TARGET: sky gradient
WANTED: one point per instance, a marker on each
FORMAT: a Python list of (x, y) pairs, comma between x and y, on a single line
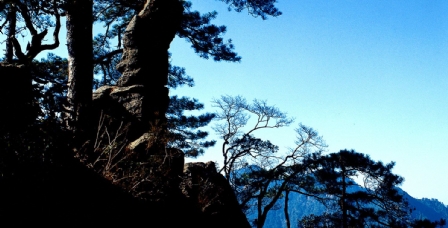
[(367, 75)]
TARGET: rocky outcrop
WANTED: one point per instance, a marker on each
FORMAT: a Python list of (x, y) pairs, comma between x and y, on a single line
[(209, 191), (145, 54), (194, 190), (132, 113)]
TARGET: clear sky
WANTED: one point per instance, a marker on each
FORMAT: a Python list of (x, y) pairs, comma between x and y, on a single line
[(367, 75)]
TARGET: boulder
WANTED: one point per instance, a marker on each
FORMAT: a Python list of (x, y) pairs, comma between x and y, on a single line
[(209, 191)]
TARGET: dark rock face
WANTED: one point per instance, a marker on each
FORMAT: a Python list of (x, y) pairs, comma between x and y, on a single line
[(71, 195), (68, 195), (208, 190), (122, 104)]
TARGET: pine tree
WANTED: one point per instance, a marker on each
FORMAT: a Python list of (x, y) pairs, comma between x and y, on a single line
[(376, 203)]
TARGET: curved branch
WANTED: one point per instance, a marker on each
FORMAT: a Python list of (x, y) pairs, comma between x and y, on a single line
[(108, 56), (56, 31), (3, 25), (36, 46)]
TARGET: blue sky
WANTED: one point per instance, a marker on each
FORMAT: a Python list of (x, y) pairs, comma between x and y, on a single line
[(367, 75)]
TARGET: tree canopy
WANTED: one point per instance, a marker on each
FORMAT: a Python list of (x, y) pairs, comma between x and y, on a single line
[(376, 202)]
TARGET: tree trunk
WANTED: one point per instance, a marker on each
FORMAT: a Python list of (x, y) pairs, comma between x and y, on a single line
[(145, 57), (261, 220), (260, 223), (288, 223), (80, 68), (12, 18), (342, 203)]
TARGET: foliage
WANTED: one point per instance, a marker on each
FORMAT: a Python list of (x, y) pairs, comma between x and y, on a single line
[(238, 145), (255, 8), (50, 80), (257, 172), (206, 38), (376, 203), (42, 140), (33, 15), (426, 223), (313, 221), (182, 127)]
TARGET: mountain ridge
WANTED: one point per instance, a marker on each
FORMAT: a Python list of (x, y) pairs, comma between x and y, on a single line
[(301, 205)]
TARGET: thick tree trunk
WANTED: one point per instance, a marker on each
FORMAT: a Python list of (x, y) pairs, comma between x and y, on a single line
[(80, 68), (12, 18), (145, 56)]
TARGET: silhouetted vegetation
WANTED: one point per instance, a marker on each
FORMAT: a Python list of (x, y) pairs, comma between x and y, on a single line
[(51, 114), (67, 161)]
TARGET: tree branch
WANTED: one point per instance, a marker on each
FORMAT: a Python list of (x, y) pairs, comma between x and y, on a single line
[(108, 56), (18, 50), (56, 30), (24, 12)]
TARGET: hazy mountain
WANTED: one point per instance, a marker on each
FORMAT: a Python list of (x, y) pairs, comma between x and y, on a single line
[(300, 205)]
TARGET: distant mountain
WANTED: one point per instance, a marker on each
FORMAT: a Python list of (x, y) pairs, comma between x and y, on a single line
[(431, 209), (300, 205)]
